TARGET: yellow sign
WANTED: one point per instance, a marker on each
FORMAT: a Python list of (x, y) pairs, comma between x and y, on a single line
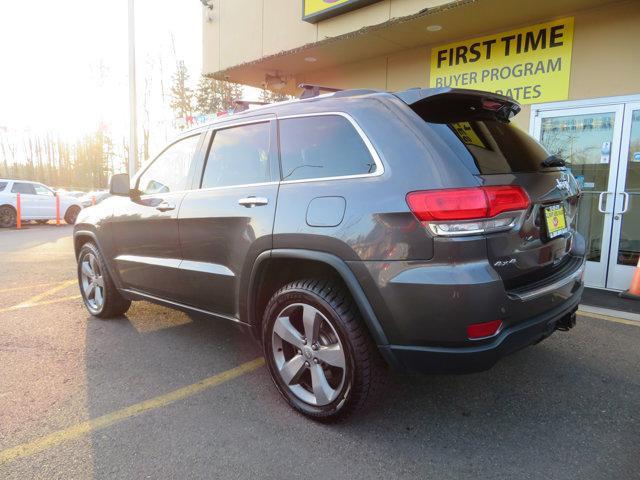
[(530, 64), (467, 134), (316, 10)]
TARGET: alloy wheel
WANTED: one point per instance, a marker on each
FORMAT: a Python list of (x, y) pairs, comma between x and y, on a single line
[(7, 217), (92, 282), (308, 354)]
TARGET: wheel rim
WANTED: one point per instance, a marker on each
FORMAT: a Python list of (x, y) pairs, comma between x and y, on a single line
[(92, 282), (6, 217), (308, 354)]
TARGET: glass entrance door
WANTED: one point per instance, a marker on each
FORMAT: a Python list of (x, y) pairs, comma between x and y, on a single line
[(625, 243), (588, 139), (601, 146)]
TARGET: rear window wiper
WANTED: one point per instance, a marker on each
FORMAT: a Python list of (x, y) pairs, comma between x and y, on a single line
[(552, 161)]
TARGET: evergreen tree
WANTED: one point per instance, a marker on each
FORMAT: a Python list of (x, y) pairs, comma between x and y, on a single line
[(269, 96), (181, 93)]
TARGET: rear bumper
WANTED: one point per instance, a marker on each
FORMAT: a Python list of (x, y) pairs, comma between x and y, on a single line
[(450, 360)]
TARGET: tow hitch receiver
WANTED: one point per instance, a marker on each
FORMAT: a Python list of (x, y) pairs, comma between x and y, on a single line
[(567, 322)]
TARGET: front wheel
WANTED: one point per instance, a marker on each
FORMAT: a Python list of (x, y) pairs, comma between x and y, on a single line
[(100, 295), (71, 215), (319, 354)]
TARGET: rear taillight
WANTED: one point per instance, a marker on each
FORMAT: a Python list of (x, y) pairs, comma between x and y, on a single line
[(467, 211)]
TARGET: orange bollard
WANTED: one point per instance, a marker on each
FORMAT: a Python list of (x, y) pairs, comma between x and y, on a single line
[(57, 209), (634, 288), (18, 212), (93, 200)]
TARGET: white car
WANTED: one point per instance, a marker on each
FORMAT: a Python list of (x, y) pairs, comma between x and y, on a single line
[(37, 202)]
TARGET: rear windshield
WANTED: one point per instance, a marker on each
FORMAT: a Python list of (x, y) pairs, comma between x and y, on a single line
[(478, 131), (492, 146)]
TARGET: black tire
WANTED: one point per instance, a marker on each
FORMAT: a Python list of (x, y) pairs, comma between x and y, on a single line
[(71, 215), (7, 216), (113, 303), (334, 303)]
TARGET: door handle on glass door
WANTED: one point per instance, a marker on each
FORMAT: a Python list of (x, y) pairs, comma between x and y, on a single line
[(625, 207), (165, 207), (252, 201), (600, 197)]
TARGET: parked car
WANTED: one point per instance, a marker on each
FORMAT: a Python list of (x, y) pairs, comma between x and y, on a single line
[(420, 228), (37, 202), (93, 198)]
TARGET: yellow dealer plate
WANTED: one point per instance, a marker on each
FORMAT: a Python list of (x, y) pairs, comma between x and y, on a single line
[(556, 221)]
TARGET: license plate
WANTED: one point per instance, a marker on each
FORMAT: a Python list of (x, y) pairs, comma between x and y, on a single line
[(556, 221)]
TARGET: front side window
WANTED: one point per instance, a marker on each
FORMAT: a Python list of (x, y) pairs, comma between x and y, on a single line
[(25, 188), (42, 190), (169, 172), (322, 146), (3, 185), (238, 156)]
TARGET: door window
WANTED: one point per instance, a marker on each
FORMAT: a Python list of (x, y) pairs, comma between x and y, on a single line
[(238, 156), (24, 188), (42, 190), (322, 146), (169, 172), (3, 185)]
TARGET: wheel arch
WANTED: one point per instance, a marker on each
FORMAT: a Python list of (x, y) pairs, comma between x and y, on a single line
[(304, 259), (84, 235)]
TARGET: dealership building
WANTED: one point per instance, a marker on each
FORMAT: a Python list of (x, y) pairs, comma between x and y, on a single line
[(574, 65)]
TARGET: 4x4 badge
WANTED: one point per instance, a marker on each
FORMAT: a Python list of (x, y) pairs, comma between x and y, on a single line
[(504, 263)]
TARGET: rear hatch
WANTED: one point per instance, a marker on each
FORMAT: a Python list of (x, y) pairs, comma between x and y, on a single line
[(475, 126)]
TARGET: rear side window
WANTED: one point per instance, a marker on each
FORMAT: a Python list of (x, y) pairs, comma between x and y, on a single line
[(238, 156), (169, 172), (3, 185), (322, 146), (26, 188)]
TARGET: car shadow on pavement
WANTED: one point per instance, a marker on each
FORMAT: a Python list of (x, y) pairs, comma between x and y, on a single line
[(555, 410)]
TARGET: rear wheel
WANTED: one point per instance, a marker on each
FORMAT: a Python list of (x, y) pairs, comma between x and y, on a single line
[(7, 216), (71, 215), (99, 293), (318, 352)]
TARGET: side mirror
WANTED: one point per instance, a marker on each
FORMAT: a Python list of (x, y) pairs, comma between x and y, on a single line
[(119, 185)]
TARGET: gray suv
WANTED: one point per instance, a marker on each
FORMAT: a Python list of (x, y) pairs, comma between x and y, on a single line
[(348, 230)]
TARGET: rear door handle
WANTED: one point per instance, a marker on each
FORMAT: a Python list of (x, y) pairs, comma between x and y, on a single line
[(253, 201), (165, 207)]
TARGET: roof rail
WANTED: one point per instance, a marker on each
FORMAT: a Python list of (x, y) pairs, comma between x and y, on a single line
[(242, 105), (309, 90)]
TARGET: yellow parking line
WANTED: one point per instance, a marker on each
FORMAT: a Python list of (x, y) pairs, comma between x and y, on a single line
[(71, 433), (35, 300), (608, 318)]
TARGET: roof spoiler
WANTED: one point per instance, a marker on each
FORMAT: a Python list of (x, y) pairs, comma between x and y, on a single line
[(445, 105)]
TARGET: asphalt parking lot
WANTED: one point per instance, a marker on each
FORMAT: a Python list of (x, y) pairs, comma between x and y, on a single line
[(160, 394)]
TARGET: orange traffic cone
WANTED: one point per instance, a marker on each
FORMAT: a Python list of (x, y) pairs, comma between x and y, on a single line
[(634, 288)]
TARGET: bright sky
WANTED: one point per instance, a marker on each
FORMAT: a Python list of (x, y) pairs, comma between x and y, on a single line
[(64, 64)]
